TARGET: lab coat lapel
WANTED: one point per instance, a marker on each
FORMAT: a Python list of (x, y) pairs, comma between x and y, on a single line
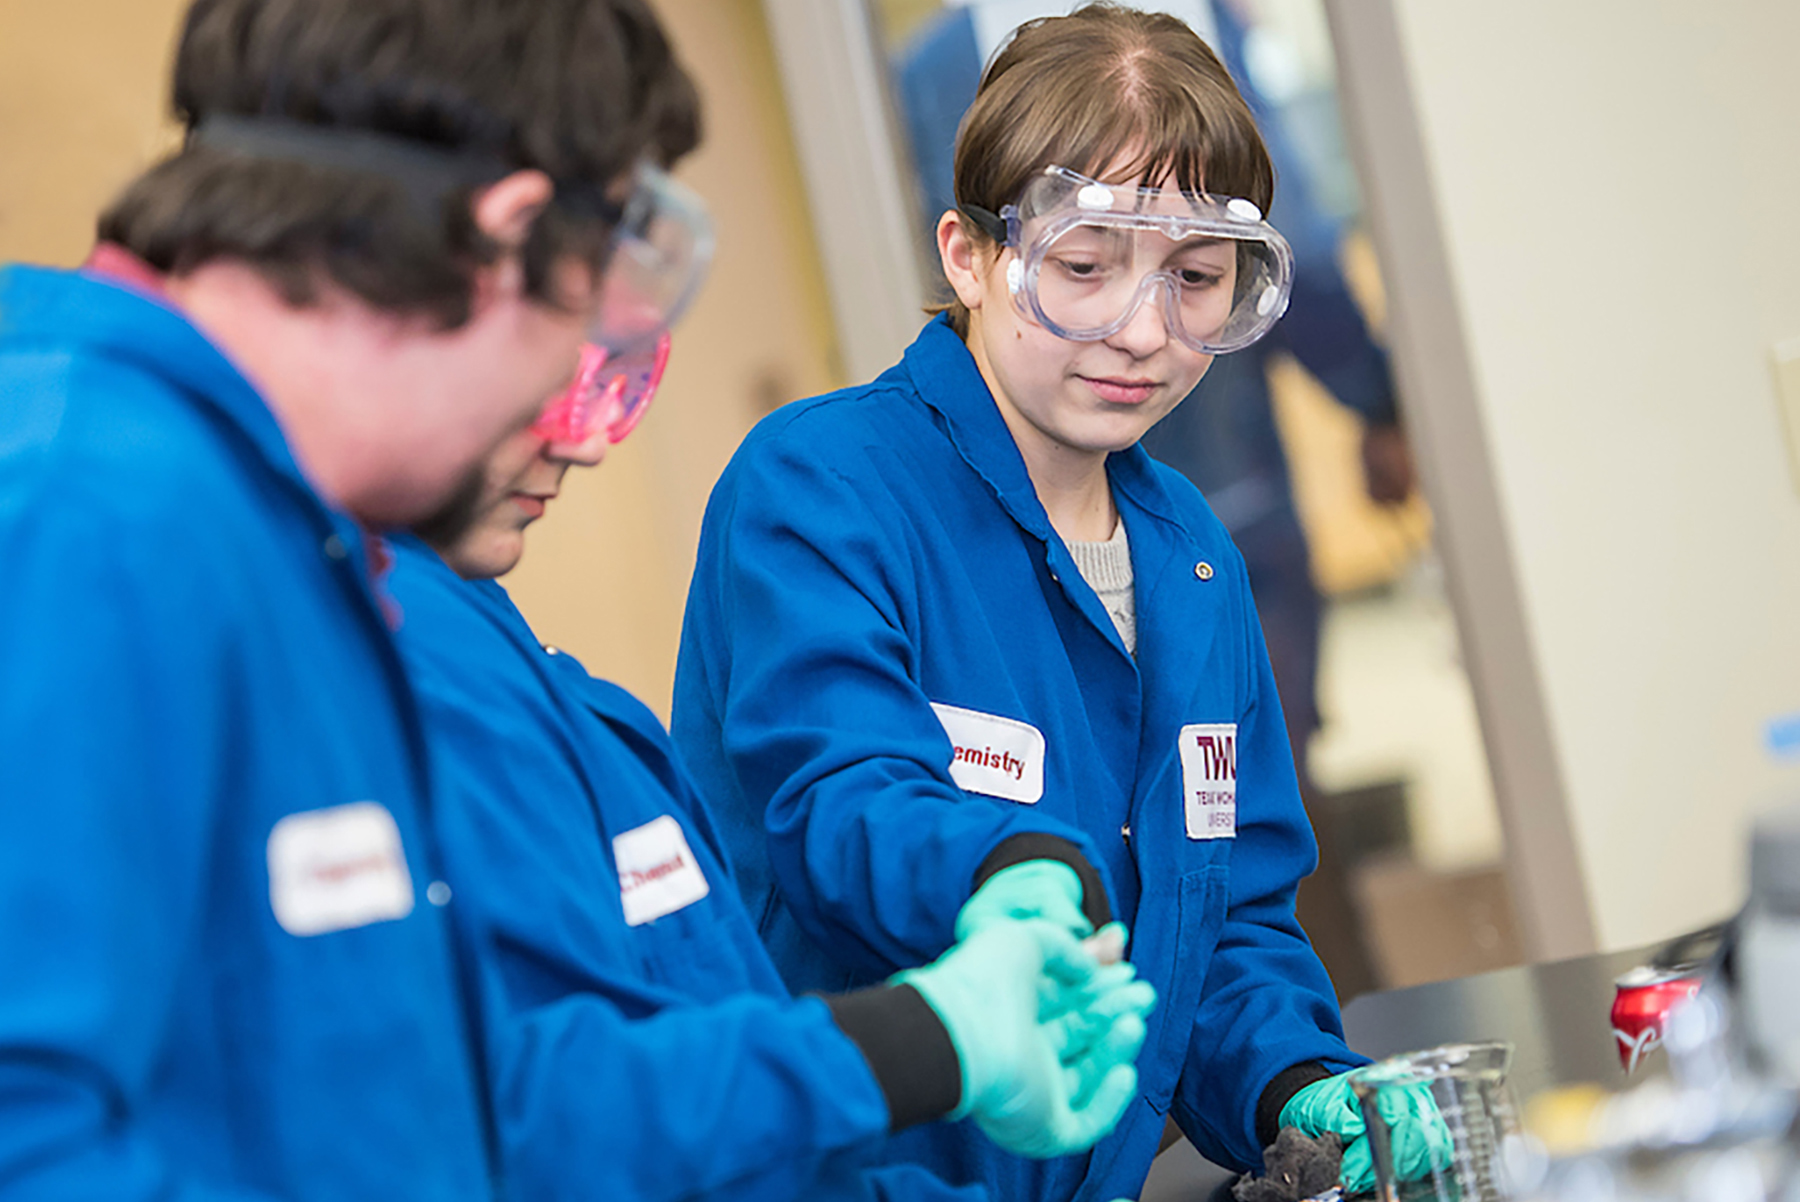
[(944, 374), (1179, 617)]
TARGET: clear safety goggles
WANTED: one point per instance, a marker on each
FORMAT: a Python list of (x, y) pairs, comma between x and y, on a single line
[(610, 393), (661, 246), (1088, 256)]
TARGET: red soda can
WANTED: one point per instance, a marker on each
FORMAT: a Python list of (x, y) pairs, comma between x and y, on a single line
[(1643, 1000)]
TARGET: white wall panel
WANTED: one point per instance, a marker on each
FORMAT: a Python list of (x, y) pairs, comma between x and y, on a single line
[(1608, 191)]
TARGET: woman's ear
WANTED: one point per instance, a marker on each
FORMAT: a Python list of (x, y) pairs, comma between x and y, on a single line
[(965, 262)]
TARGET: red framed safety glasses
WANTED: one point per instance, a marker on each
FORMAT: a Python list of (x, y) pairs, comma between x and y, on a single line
[(611, 393)]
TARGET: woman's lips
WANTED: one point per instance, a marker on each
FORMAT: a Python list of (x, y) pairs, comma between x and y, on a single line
[(1120, 391), (532, 507)]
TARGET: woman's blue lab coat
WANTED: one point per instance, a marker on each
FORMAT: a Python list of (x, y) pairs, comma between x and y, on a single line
[(663, 1060), (878, 550), (219, 974)]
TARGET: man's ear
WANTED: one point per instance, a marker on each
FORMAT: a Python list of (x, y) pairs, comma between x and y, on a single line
[(965, 262), (505, 210)]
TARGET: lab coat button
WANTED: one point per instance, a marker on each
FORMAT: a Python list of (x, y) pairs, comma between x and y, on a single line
[(334, 547), (1203, 570), (437, 893), (1125, 832), (549, 650)]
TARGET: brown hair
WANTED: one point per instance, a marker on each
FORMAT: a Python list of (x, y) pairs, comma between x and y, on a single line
[(1081, 90), (579, 89)]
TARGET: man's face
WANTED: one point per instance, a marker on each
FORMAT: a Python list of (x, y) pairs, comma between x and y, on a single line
[(469, 391)]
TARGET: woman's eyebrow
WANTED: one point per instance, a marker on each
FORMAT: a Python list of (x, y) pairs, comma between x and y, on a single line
[(1199, 242)]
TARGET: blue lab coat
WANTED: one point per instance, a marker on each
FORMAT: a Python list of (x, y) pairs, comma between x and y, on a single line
[(221, 974), (876, 550), (663, 1060)]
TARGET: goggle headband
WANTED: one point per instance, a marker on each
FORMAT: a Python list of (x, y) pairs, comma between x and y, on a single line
[(428, 171)]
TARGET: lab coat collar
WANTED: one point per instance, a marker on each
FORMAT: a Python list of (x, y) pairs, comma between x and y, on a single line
[(486, 595), (944, 373), (126, 320), (120, 320), (567, 680)]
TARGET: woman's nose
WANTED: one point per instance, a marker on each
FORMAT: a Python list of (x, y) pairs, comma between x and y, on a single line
[(1146, 331), (585, 452)]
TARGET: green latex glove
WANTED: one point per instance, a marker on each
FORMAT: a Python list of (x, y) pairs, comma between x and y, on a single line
[(1086, 1027), (1421, 1141), (1047, 1038), (1047, 889)]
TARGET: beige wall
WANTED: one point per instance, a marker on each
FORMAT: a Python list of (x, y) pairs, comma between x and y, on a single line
[(1608, 188), (608, 569), (82, 108), (83, 100)]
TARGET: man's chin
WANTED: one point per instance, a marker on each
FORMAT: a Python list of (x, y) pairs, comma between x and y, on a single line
[(457, 516)]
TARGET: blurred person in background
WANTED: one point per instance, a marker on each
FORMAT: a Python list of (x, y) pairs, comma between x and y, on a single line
[(229, 970), (640, 1043), (1224, 438), (958, 653)]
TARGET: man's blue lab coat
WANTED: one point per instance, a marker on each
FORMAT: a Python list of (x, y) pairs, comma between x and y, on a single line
[(881, 549), (219, 974), (658, 1061)]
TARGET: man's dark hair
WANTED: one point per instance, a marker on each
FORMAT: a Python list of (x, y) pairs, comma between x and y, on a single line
[(579, 89)]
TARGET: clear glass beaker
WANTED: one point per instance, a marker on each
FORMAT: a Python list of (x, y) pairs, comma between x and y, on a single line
[(1467, 1082)]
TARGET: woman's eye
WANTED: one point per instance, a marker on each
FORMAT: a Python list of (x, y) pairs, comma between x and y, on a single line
[(1193, 277), (1081, 269)]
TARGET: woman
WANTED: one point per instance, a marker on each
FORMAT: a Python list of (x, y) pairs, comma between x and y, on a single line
[(957, 651)]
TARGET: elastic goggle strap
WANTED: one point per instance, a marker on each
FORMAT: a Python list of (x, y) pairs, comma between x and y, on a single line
[(429, 172)]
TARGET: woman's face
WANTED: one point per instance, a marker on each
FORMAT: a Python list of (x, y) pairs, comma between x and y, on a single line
[(1057, 395), (519, 480)]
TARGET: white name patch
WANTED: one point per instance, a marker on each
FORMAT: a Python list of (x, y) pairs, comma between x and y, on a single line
[(1209, 779), (334, 869), (995, 756), (658, 874)]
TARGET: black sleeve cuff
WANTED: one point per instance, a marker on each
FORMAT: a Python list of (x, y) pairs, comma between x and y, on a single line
[(1035, 845), (1287, 1083), (908, 1050)]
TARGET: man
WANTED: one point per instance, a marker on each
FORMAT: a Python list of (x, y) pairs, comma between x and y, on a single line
[(228, 968), (640, 1043)]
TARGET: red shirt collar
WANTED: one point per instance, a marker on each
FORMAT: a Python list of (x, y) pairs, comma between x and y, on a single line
[(113, 262)]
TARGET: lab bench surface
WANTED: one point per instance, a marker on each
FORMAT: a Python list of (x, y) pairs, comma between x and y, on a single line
[(1557, 1016)]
